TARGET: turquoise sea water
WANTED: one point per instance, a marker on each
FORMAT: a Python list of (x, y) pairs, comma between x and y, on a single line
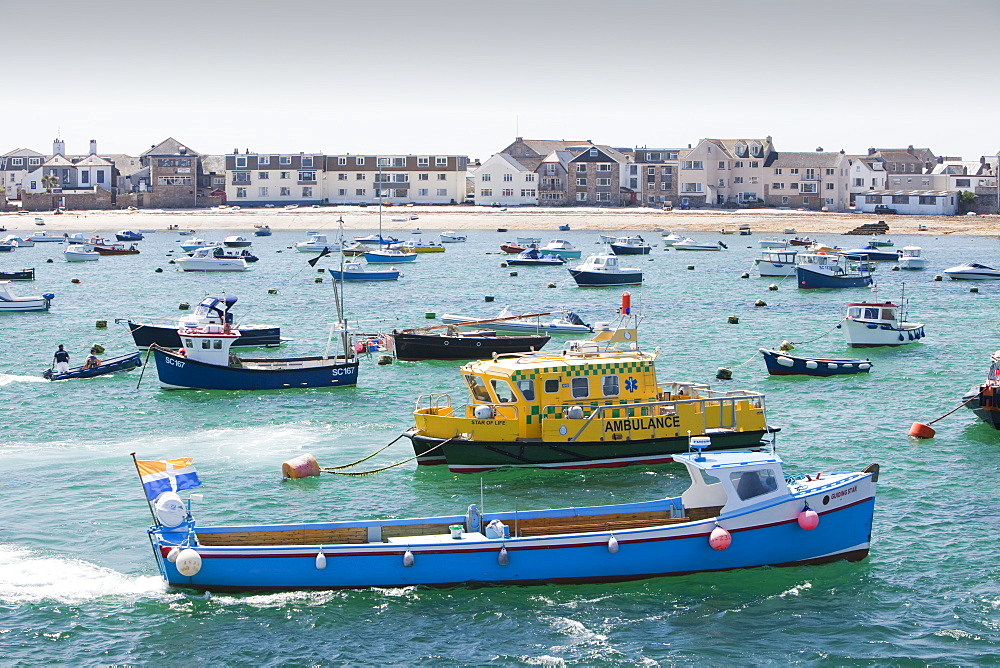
[(78, 584)]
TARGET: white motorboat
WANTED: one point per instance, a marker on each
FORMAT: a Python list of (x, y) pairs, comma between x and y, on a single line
[(789, 230), (670, 236), (377, 239), (535, 241), (776, 263), (81, 253), (561, 247), (204, 259), (508, 321), (11, 302), (772, 243), (42, 237), (910, 258), (316, 244), (972, 271), (236, 242), (871, 324), (451, 237), (195, 244), (607, 238), (687, 243), (20, 241)]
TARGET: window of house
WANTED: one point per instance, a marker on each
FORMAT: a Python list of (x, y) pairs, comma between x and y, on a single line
[(581, 197), (529, 178), (593, 153), (441, 162), (693, 164), (793, 170), (805, 200), (581, 168), (241, 161), (784, 200), (285, 191), (442, 177), (927, 199), (829, 171), (581, 182), (442, 192), (359, 160), (829, 201), (603, 197), (307, 161), (807, 188), (100, 176), (665, 185), (422, 192), (508, 177), (284, 175), (342, 176), (342, 192), (609, 385), (284, 160), (486, 192), (485, 178), (737, 180), (262, 191), (579, 387), (794, 186), (777, 186), (653, 157), (84, 177), (262, 175), (423, 162), (603, 167), (722, 164), (423, 177), (692, 188), (738, 164), (960, 183), (507, 192), (777, 171), (360, 176), (603, 182), (859, 183), (900, 199), (527, 192), (34, 184), (307, 176), (359, 192), (307, 191), (830, 186), (342, 160), (241, 192)]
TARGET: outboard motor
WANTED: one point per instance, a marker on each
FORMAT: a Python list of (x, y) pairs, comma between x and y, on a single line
[(572, 317)]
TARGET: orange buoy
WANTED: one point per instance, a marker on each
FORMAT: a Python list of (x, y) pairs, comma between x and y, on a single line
[(302, 466), (921, 430), (626, 303)]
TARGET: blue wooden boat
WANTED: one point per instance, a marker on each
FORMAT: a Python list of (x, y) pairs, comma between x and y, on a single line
[(106, 366), (740, 511), (564, 228), (128, 235), (780, 363)]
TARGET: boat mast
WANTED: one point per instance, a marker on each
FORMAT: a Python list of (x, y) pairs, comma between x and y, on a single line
[(338, 296)]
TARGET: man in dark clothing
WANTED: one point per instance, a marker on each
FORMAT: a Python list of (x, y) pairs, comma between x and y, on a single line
[(60, 361)]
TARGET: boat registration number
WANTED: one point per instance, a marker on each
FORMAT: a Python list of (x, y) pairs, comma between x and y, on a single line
[(177, 363)]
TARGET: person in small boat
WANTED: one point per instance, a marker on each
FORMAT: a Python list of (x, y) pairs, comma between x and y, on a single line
[(60, 361), (92, 359)]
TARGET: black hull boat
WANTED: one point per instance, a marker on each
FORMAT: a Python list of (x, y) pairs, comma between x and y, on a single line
[(984, 399), (411, 347), (780, 363), (23, 275), (251, 336)]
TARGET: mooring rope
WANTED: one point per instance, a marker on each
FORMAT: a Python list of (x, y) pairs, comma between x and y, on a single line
[(799, 343), (961, 405), (328, 469), (384, 468)]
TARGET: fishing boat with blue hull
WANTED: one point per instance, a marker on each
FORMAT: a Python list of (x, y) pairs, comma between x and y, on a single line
[(821, 270), (205, 363), (125, 362), (740, 510), (874, 324), (780, 363), (355, 271), (595, 403), (211, 310)]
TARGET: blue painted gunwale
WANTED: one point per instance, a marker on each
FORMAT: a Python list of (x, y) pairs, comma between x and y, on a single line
[(765, 534)]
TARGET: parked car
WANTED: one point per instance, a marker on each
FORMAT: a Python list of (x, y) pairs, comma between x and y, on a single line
[(884, 208)]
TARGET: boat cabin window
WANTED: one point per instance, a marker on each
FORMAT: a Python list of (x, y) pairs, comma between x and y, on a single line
[(189, 343), (551, 385), (503, 390), (217, 344), (871, 313), (527, 389), (580, 387), (853, 312), (887, 314), (609, 385), (206, 344), (478, 388), (753, 483)]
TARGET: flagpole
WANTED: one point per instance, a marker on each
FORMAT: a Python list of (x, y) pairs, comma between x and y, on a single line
[(148, 503)]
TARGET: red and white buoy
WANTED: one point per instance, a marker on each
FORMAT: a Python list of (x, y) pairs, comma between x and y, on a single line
[(720, 539), (808, 519)]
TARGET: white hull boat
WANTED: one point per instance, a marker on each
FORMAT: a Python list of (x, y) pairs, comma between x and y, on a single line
[(691, 245), (451, 237), (873, 324), (971, 271), (81, 253), (204, 260), (20, 241), (316, 244), (776, 263), (772, 243), (910, 258), (11, 302), (41, 237)]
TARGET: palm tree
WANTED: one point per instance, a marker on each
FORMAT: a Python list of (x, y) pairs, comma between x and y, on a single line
[(50, 181)]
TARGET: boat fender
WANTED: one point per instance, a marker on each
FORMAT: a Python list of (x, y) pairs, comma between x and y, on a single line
[(901, 337), (811, 364), (320, 560), (832, 367), (864, 367), (785, 361), (719, 539), (921, 430), (169, 509), (808, 519), (484, 412), (172, 554), (188, 562), (574, 412), (626, 303), (408, 559), (473, 519), (503, 558), (613, 545), (839, 326)]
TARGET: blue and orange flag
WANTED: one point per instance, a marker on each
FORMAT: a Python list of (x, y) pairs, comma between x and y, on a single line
[(172, 475)]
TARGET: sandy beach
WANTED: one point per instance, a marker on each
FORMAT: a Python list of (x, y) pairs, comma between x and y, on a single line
[(398, 220)]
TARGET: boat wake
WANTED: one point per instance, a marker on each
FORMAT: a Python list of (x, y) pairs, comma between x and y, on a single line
[(27, 577), (7, 379)]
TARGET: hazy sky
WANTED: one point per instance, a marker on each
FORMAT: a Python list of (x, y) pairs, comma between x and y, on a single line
[(443, 76)]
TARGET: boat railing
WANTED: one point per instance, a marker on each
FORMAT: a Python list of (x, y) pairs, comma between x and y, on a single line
[(433, 403), (725, 400)]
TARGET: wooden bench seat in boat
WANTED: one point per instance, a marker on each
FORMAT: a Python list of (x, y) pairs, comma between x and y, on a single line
[(335, 536)]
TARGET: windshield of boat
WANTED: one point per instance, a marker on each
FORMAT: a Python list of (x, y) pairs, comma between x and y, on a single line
[(749, 484), (527, 389), (478, 388), (503, 390)]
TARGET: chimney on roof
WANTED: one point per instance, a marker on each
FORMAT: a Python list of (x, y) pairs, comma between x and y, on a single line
[(58, 147), (871, 151), (93, 147), (841, 151), (819, 149), (689, 145), (909, 149), (768, 139)]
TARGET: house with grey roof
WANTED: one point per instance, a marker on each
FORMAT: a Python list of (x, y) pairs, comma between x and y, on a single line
[(503, 180), (596, 176), (867, 173), (816, 180)]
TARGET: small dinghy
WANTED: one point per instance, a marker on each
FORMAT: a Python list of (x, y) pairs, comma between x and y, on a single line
[(780, 363), (110, 365)]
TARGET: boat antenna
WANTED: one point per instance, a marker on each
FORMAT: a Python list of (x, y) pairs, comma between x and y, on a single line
[(482, 504)]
